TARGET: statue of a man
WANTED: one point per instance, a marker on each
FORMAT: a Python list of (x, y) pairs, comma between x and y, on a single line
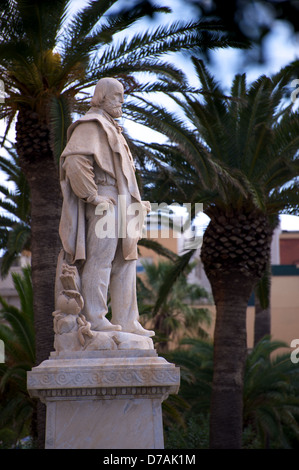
[(99, 188)]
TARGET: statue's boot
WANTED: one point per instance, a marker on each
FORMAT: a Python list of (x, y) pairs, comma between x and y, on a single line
[(102, 324), (137, 329)]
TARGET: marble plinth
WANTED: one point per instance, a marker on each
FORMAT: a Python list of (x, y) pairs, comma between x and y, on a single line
[(104, 399)]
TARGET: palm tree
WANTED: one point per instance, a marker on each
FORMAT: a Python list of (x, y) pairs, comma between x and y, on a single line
[(196, 365), (49, 61), (271, 404), (15, 218), (244, 150), (17, 333), (178, 316)]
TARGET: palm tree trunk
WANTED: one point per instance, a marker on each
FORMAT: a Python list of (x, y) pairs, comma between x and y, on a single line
[(41, 171), (235, 253), (45, 245), (231, 295), (38, 165), (43, 179)]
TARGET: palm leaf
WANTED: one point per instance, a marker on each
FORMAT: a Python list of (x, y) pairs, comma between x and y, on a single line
[(60, 121), (171, 277), (158, 248), (21, 321)]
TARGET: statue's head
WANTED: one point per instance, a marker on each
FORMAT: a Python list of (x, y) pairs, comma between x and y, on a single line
[(109, 96)]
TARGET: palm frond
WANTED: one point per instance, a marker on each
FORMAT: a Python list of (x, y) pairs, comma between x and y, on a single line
[(23, 286), (285, 200), (158, 248), (21, 321), (18, 238), (60, 121), (171, 277)]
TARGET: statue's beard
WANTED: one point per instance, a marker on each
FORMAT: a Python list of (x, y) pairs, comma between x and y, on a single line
[(117, 112), (114, 111)]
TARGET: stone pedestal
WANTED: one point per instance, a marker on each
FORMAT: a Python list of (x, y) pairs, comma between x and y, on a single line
[(104, 399)]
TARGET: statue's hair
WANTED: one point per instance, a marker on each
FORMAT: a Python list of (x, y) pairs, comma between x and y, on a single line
[(101, 89)]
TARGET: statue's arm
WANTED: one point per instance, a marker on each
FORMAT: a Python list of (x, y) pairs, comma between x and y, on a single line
[(79, 171)]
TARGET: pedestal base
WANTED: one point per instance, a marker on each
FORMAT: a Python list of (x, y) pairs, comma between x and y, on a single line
[(104, 399)]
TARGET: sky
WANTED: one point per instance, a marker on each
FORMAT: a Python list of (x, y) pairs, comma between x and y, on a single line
[(281, 49)]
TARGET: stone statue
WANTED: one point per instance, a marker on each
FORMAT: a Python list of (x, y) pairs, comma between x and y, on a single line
[(99, 230)]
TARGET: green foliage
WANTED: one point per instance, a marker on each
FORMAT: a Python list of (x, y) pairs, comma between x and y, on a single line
[(271, 403), (196, 366), (51, 56), (17, 333), (194, 435), (240, 150), (15, 218), (234, 152), (178, 314)]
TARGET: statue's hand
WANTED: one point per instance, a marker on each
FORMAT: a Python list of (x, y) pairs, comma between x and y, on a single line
[(147, 206), (103, 203)]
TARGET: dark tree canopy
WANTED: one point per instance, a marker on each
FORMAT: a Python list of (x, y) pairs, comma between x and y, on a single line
[(246, 21)]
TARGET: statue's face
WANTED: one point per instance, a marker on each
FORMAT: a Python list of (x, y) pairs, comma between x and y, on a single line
[(113, 100)]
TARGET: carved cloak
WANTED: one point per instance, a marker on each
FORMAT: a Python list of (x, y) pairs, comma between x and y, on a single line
[(113, 156)]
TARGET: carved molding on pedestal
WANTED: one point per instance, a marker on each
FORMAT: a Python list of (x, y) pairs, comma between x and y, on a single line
[(103, 378), (109, 393)]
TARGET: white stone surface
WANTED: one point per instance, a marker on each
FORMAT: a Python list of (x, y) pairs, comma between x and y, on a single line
[(108, 400), (134, 423), (99, 341), (114, 371)]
